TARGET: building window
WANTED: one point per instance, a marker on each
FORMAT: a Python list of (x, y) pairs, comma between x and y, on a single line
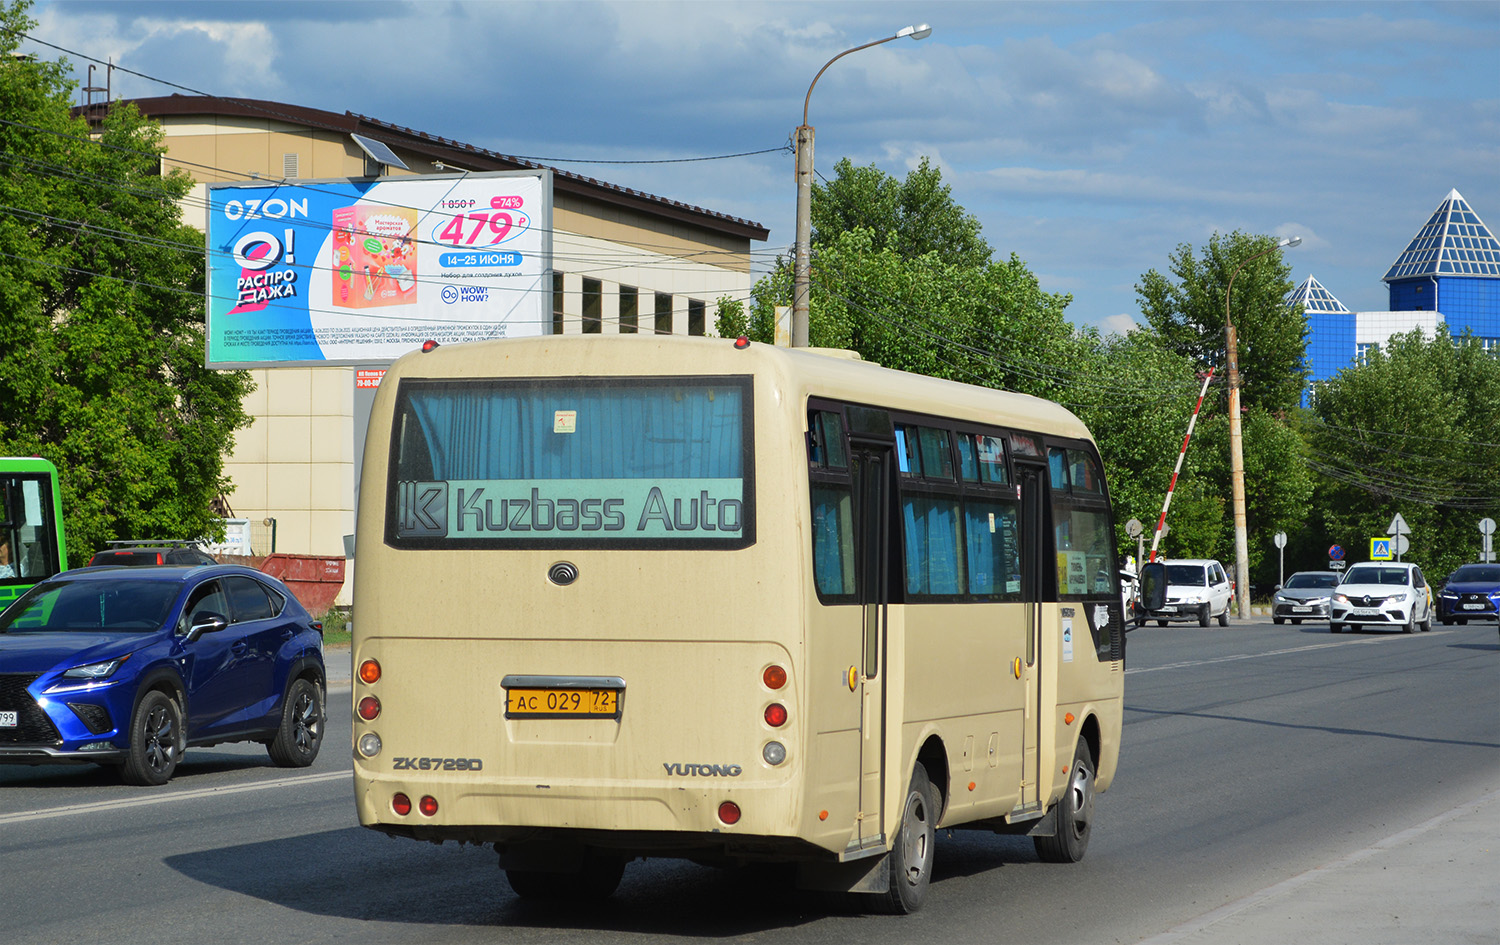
[(1362, 352), (630, 300), (557, 303), (593, 306), (695, 317), (663, 313)]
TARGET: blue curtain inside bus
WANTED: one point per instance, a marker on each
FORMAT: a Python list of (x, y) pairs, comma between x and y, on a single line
[(565, 431)]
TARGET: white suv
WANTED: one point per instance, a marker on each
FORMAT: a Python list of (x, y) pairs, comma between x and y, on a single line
[(1197, 589)]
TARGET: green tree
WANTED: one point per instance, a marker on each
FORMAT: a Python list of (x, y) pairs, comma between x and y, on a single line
[(1188, 313), (101, 315), (913, 217), (1414, 429)]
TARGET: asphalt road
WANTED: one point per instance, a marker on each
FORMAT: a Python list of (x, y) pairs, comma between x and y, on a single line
[(1261, 765)]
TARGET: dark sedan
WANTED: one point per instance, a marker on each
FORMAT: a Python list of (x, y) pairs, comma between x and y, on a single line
[(131, 666), (1471, 593)]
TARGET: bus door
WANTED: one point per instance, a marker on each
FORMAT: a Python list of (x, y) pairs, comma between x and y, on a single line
[(872, 467), (1034, 564)]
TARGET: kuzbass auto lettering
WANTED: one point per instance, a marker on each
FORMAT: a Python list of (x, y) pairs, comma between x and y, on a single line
[(703, 771), (554, 508)]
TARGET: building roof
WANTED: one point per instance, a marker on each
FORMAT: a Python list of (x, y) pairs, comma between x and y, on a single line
[(1315, 299), (454, 154), (1454, 242)]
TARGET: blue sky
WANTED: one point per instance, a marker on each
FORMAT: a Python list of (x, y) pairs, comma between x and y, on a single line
[(1090, 139)]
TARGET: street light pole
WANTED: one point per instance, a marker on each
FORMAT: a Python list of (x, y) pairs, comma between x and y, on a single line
[(802, 263), (1236, 441)]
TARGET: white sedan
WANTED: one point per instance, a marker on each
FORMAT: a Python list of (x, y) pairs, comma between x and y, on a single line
[(1377, 593)]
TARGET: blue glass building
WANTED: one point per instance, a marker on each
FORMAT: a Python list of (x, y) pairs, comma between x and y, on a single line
[(1448, 274)]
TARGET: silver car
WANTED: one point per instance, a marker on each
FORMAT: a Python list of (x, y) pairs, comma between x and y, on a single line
[(1304, 596)]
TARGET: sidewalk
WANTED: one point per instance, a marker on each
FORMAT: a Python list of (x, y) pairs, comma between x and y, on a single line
[(1433, 884)]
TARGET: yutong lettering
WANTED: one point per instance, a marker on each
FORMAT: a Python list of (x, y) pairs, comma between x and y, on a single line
[(703, 771)]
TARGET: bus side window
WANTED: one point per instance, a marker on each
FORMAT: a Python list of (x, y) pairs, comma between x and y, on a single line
[(932, 552), (832, 506)]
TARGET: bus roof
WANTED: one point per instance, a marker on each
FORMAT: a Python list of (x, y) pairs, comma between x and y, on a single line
[(821, 372)]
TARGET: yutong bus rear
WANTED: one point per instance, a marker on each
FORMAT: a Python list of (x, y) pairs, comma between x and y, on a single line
[(578, 605)]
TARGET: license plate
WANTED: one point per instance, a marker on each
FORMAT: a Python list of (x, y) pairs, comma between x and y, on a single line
[(1169, 608), (562, 697), (8, 718), (1466, 607), (1364, 612), (1301, 610)]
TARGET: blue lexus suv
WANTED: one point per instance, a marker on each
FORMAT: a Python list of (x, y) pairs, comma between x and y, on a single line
[(132, 666)]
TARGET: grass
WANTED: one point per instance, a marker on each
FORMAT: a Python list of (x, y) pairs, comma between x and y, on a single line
[(336, 627)]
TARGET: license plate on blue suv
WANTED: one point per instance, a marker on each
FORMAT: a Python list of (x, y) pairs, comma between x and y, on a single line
[(8, 718)]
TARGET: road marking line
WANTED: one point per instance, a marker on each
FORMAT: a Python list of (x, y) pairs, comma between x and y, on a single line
[(1209, 919), (47, 813), (1251, 656)]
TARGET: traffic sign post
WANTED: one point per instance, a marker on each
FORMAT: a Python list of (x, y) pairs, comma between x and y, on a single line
[(1335, 557), (1487, 540), (1279, 539), (1397, 530)]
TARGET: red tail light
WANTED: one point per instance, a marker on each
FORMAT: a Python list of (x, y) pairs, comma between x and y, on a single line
[(369, 708), (401, 804), (775, 715), (729, 812), (428, 805)]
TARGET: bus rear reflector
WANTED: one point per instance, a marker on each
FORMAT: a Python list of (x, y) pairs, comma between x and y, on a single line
[(428, 805), (369, 672), (775, 715), (369, 708), (729, 812), (401, 804), (774, 677)]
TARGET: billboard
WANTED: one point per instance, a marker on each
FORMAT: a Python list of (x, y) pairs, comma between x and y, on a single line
[(361, 271)]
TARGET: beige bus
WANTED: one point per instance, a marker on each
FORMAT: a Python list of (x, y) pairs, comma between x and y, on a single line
[(702, 598)]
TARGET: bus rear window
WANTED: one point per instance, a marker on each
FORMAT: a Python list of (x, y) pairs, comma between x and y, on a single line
[(580, 462)]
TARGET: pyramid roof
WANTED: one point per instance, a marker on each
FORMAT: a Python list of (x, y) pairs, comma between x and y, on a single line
[(1454, 242), (1314, 298)]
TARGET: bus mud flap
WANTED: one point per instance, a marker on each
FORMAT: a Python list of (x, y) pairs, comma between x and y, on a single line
[(867, 875)]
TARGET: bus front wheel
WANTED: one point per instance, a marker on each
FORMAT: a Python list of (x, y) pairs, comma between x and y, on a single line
[(911, 856), (1075, 813)]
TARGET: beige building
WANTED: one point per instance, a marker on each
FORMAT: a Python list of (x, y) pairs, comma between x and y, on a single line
[(623, 260)]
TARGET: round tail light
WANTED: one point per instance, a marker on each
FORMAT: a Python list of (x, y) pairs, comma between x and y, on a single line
[(428, 805), (775, 715), (369, 708), (774, 677), (369, 672), (401, 804), (729, 812)]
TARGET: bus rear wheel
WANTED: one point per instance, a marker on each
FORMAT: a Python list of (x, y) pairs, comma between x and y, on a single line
[(1075, 813), (598, 878), (911, 857)]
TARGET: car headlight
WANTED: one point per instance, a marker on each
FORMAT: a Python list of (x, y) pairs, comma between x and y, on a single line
[(1341, 598), (1281, 599), (1450, 595), (95, 670)]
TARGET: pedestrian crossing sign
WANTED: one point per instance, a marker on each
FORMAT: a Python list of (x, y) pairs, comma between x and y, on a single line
[(1380, 549)]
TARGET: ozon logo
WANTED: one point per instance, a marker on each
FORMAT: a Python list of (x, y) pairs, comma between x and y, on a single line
[(260, 250)]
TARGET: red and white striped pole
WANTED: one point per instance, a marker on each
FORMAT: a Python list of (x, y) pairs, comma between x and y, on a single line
[(1156, 538)]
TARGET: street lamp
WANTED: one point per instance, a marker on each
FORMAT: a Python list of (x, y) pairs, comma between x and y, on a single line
[(1236, 443), (803, 249)]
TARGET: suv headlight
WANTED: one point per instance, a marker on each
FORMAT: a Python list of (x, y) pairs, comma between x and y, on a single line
[(95, 670)]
